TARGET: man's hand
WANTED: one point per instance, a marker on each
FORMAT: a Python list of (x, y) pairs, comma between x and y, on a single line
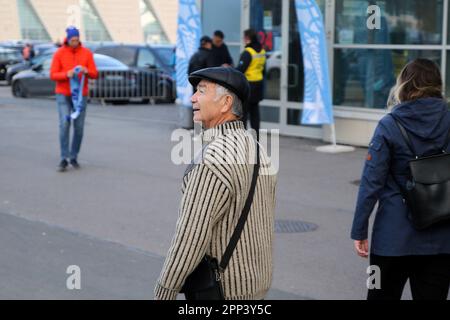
[(84, 70), (70, 73), (362, 248)]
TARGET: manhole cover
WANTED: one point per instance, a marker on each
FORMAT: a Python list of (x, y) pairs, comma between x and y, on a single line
[(294, 226)]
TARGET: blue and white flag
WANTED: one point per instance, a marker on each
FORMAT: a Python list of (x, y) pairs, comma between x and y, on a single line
[(317, 105), (76, 90), (188, 39)]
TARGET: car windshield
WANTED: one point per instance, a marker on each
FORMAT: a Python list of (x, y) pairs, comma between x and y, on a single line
[(166, 55), (102, 61)]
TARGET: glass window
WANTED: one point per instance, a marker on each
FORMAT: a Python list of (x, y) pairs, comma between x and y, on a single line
[(213, 22), (447, 75), (125, 55), (167, 55), (153, 32), (364, 77), (269, 114), (265, 18), (94, 28), (31, 25), (145, 58), (402, 22), (102, 61)]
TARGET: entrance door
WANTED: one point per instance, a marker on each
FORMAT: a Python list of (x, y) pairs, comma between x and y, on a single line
[(276, 23)]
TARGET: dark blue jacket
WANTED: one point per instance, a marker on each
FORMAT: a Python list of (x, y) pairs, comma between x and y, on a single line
[(427, 121)]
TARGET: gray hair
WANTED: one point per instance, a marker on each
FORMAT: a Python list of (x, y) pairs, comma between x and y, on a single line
[(236, 107)]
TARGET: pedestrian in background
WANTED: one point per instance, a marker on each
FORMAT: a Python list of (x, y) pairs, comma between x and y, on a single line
[(28, 52), (202, 58), (220, 53), (253, 64), (66, 59), (401, 251)]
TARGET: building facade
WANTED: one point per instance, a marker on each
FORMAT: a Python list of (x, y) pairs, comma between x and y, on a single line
[(125, 21), (363, 62)]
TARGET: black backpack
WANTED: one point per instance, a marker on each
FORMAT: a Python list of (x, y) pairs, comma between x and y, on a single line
[(427, 191)]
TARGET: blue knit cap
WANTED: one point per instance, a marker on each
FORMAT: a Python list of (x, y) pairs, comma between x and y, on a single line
[(72, 32)]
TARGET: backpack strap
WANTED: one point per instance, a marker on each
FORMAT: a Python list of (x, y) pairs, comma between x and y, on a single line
[(444, 148), (406, 136), (243, 218)]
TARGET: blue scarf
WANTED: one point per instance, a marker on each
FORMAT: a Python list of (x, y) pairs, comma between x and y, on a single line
[(76, 90)]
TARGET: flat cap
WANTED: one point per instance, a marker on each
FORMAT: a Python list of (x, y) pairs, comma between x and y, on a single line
[(227, 77)]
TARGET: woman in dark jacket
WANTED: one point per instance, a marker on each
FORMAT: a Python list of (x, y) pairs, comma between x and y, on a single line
[(397, 249)]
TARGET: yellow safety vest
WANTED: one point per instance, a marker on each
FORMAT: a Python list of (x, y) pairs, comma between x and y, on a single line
[(255, 70)]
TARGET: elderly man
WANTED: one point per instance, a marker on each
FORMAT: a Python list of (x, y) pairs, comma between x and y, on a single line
[(215, 190)]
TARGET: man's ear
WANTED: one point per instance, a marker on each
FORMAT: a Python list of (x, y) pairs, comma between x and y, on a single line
[(227, 104)]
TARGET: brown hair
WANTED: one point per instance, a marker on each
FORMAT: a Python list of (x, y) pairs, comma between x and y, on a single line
[(420, 78), (251, 34)]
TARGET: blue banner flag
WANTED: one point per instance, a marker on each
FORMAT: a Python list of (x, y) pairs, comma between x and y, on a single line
[(317, 105), (188, 39)]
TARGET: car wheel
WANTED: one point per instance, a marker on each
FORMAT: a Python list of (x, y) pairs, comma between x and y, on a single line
[(19, 90)]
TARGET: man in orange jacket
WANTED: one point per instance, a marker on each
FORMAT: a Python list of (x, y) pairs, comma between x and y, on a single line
[(65, 60)]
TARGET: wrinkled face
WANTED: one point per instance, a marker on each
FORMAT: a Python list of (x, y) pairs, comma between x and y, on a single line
[(74, 42), (217, 41), (208, 109)]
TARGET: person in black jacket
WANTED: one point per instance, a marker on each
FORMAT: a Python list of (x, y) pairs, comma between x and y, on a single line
[(202, 58), (252, 64), (220, 54)]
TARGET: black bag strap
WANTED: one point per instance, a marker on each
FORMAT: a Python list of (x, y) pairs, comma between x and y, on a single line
[(243, 218), (444, 148), (408, 140), (405, 136)]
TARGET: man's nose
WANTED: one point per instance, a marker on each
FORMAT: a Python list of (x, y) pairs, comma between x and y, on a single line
[(194, 97)]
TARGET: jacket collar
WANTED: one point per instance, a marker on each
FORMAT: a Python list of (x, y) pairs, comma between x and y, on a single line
[(222, 129)]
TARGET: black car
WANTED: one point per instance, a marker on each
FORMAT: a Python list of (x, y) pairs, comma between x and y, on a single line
[(26, 65), (8, 57), (146, 58), (115, 81)]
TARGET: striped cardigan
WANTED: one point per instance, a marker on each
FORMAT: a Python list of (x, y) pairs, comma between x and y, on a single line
[(214, 193)]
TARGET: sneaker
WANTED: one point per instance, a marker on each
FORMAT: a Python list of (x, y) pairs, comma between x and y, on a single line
[(74, 163), (63, 165)]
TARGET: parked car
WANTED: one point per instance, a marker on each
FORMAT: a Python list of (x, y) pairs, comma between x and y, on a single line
[(13, 69), (116, 80), (44, 48), (8, 57), (145, 58)]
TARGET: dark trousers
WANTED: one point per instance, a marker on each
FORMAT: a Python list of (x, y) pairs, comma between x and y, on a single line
[(429, 277), (251, 110)]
